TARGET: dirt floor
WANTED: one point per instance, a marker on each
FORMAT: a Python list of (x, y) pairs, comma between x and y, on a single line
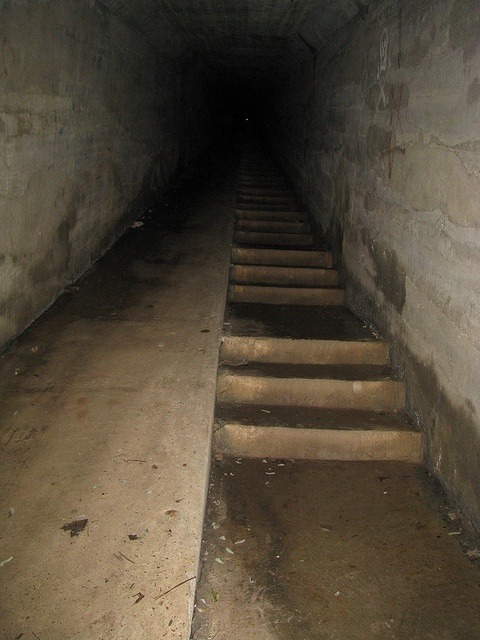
[(106, 409), (334, 551)]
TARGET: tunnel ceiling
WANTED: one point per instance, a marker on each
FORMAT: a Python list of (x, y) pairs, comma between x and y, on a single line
[(237, 33)]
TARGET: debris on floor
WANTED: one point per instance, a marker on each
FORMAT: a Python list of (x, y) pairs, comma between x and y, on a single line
[(75, 527)]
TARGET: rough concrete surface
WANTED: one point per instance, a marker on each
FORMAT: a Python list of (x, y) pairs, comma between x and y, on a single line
[(106, 412), (379, 130), (93, 118), (333, 551)]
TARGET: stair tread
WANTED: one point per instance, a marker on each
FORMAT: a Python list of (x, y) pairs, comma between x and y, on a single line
[(284, 285), (306, 257), (295, 321), (350, 372), (310, 418), (273, 226)]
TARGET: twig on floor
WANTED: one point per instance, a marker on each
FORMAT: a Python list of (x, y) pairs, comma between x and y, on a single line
[(126, 557), (175, 587)]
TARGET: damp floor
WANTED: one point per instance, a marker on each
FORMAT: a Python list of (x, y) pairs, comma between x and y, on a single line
[(334, 551)]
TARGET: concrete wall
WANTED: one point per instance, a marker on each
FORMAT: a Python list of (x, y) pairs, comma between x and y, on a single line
[(381, 133), (91, 117)]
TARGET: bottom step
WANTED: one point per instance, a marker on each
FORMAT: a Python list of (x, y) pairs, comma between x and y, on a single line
[(310, 434)]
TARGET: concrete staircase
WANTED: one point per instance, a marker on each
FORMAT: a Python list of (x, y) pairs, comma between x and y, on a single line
[(300, 376)]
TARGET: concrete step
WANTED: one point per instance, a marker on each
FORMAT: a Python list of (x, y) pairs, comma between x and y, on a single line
[(266, 200), (312, 371), (265, 191), (272, 226), (297, 322), (326, 393), (274, 183), (282, 257), (259, 173), (262, 206), (286, 295), (283, 276), (259, 214), (273, 239), (242, 349), (306, 433)]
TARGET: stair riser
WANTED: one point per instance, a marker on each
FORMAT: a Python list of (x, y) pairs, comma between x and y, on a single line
[(259, 192), (288, 351), (280, 295), (272, 183), (283, 258), (274, 239), (274, 216), (267, 200), (262, 206), (272, 226), (317, 444), (283, 276), (381, 395)]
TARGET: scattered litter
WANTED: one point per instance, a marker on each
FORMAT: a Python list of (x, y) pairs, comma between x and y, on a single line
[(239, 461), (171, 513), (149, 492), (6, 561), (455, 533), (139, 596), (228, 550), (385, 493), (203, 601), (175, 587), (133, 460), (11, 512), (280, 464), (240, 541), (250, 580), (215, 525), (160, 345), (264, 461), (473, 553), (219, 560), (214, 595), (133, 536), (137, 224), (222, 538), (266, 411), (205, 331), (267, 482), (337, 593), (269, 473), (453, 516), (75, 527), (34, 349), (232, 474)]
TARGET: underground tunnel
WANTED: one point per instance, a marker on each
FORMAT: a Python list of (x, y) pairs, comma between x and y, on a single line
[(239, 319)]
